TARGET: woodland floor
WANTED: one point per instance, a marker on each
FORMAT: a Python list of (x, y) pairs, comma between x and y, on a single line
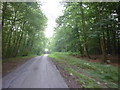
[(84, 73), (114, 60), (8, 65)]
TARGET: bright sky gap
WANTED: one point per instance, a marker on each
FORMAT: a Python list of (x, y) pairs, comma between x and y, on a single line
[(52, 9)]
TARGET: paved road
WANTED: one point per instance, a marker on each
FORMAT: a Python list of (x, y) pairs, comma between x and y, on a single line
[(38, 72)]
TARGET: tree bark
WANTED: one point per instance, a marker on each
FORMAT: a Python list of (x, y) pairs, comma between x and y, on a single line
[(3, 12), (108, 41), (84, 31), (103, 48)]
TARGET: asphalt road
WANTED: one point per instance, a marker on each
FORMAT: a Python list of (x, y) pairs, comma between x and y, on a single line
[(38, 72)]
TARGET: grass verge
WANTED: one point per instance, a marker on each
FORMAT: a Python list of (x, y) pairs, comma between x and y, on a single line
[(17, 58), (88, 74)]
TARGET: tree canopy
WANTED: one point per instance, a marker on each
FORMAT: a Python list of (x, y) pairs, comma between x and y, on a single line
[(88, 28), (23, 27)]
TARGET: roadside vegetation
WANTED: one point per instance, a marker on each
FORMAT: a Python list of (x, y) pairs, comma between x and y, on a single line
[(89, 29), (10, 64), (23, 25), (85, 29), (17, 58), (87, 74)]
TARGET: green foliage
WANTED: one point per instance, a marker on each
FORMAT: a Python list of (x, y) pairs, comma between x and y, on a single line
[(88, 28), (18, 58), (23, 29), (88, 73), (85, 81)]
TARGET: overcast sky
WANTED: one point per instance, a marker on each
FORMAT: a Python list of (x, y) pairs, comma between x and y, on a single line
[(52, 9)]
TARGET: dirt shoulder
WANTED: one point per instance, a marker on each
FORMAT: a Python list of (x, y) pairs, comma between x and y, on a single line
[(12, 63), (69, 79)]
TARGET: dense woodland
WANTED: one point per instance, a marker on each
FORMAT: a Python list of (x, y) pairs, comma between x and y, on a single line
[(88, 29), (23, 26), (84, 28)]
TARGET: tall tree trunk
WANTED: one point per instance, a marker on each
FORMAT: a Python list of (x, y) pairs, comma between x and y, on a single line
[(3, 12), (9, 46), (102, 36), (118, 42), (99, 39), (113, 39), (102, 41), (4, 7), (108, 41), (79, 42), (22, 44), (118, 12), (84, 31), (18, 44)]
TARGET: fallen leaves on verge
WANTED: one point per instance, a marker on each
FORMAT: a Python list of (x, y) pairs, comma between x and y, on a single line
[(71, 74), (98, 82)]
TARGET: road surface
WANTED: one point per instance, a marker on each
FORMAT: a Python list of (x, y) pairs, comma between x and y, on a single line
[(38, 72)]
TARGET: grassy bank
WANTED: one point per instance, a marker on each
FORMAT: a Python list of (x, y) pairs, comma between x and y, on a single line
[(87, 74), (10, 64), (17, 58)]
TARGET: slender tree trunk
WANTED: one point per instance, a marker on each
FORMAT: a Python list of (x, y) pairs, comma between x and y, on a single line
[(102, 41), (3, 12), (103, 49), (118, 12), (79, 42), (23, 48), (100, 50), (14, 42), (118, 42), (9, 46), (102, 36), (18, 46), (84, 31), (113, 39), (4, 7), (108, 41)]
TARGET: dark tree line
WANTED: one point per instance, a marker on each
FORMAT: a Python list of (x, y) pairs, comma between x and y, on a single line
[(89, 28), (23, 26)]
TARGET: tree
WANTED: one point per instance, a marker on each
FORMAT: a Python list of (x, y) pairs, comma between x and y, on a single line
[(23, 29), (88, 28)]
